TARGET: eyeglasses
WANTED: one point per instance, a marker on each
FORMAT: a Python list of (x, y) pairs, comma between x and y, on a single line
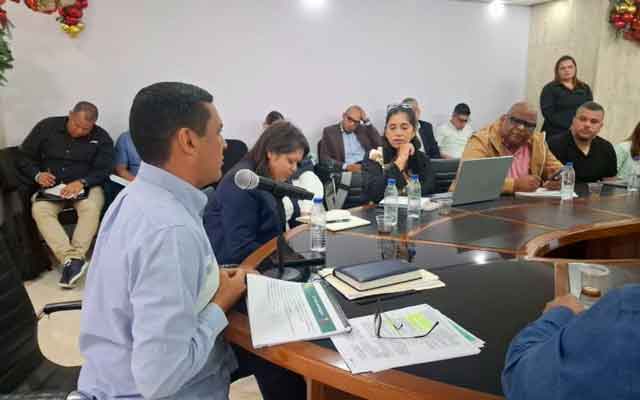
[(530, 126), (400, 331), (355, 121), (396, 106)]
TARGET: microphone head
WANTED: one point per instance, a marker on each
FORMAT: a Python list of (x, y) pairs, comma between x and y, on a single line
[(246, 179)]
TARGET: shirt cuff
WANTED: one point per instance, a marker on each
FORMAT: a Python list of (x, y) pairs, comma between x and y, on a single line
[(559, 316), (213, 317)]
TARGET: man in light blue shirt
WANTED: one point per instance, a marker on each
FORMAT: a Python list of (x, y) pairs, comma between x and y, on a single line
[(128, 160), (155, 303)]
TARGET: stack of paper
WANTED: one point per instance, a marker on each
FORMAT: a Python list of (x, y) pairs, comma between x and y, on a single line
[(281, 312), (56, 190), (428, 281), (364, 352), (543, 193)]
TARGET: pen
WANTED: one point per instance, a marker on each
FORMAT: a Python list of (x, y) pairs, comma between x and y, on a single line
[(557, 173)]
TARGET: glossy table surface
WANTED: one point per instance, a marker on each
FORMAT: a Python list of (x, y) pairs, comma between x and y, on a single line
[(490, 256)]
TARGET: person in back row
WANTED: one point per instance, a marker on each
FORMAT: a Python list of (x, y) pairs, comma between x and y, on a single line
[(514, 135), (593, 157), (349, 142), (128, 160), (453, 135), (428, 143), (401, 156), (272, 117), (75, 152), (627, 152)]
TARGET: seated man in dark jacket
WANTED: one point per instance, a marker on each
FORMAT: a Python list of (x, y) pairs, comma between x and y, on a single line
[(593, 157), (74, 152), (401, 157), (349, 142)]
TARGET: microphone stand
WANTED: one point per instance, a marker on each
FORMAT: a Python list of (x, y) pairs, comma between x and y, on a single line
[(282, 272)]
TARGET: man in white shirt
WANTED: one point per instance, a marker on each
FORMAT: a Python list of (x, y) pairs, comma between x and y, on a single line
[(452, 136)]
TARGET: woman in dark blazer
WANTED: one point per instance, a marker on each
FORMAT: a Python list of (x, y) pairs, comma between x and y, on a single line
[(561, 97), (400, 158), (238, 221)]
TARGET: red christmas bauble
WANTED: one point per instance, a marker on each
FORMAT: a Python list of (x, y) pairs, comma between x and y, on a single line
[(619, 24), (627, 17)]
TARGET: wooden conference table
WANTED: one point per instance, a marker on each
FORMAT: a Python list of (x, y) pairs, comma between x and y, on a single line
[(501, 262)]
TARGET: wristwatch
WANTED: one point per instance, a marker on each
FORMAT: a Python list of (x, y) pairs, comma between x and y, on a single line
[(84, 182)]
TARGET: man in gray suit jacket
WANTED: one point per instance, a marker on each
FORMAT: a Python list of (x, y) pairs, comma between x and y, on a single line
[(350, 141)]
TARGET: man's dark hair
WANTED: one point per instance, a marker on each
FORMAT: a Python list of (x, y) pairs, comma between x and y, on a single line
[(280, 138), (462, 109), (272, 117), (592, 106), (89, 109), (159, 111)]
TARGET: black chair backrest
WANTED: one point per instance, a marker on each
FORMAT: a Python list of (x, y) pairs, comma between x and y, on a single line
[(235, 151), (445, 171), (19, 349), (10, 177)]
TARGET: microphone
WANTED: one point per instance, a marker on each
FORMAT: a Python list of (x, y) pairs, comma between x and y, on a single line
[(246, 179)]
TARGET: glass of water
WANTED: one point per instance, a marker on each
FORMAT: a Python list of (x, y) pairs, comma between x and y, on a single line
[(594, 283)]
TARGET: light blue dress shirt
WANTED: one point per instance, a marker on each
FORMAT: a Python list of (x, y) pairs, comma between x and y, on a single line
[(353, 150), (126, 153), (143, 333)]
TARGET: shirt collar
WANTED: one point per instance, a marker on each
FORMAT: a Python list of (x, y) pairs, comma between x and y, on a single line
[(191, 197)]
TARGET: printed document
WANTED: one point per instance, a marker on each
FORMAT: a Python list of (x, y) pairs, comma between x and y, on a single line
[(281, 312), (363, 351)]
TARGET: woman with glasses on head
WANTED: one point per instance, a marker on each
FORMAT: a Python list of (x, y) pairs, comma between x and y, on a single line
[(400, 156), (238, 221), (561, 97)]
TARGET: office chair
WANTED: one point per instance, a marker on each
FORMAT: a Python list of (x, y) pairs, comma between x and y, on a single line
[(445, 171), (25, 373), (235, 151)]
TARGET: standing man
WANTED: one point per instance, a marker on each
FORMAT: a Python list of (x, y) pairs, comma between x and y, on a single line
[(453, 135), (77, 153), (152, 326), (349, 142), (593, 157), (425, 136)]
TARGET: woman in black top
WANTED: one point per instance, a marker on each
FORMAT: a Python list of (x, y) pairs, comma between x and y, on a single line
[(400, 156), (561, 97)]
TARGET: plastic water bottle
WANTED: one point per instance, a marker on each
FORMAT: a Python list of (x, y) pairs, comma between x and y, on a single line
[(633, 184), (568, 182), (414, 193), (391, 202), (318, 226)]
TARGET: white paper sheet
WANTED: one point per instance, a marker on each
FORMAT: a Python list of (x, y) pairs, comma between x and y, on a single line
[(364, 352), (543, 193), (57, 189), (281, 312)]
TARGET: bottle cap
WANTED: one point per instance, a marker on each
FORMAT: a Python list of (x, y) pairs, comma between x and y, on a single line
[(415, 177), (391, 181), (317, 200), (569, 164)]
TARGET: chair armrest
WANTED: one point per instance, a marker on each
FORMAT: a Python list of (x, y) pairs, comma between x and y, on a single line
[(51, 308)]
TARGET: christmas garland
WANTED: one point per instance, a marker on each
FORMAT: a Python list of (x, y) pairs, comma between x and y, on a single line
[(70, 14), (625, 19)]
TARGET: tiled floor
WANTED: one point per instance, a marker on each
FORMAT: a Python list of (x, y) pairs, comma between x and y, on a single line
[(58, 334)]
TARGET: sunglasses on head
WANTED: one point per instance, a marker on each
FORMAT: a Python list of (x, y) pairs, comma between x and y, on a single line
[(530, 126), (398, 106)]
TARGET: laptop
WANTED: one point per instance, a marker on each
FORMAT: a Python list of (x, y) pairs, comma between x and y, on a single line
[(479, 180)]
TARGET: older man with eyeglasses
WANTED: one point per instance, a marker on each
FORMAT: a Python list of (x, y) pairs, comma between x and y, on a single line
[(514, 135)]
